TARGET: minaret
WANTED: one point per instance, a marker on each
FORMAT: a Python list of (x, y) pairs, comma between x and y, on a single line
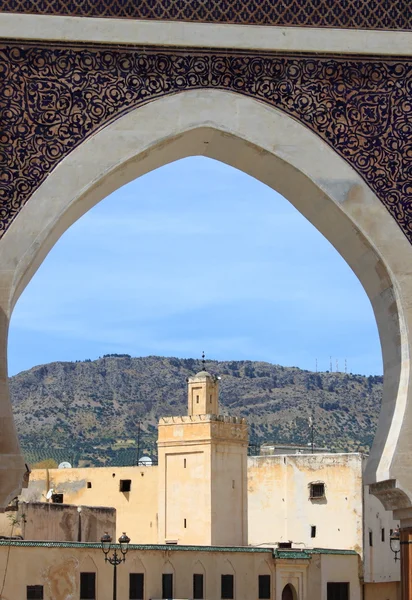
[(203, 471), (203, 393)]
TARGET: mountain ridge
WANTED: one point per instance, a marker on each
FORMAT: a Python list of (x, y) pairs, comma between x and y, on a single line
[(89, 410)]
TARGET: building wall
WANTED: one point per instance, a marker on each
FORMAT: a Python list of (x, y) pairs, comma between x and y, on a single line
[(342, 570), (279, 508), (202, 480), (382, 591), (136, 510), (58, 569), (379, 563), (58, 522)]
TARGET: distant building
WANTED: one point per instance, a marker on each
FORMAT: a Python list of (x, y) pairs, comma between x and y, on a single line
[(304, 520), (274, 449)]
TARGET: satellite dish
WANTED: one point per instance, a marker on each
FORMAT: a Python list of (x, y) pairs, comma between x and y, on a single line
[(64, 465), (49, 494), (145, 461)]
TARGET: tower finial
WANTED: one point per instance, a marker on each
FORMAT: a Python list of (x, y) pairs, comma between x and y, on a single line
[(203, 361)]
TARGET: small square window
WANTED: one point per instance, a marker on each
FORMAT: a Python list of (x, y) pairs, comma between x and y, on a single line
[(317, 490), (57, 498), (337, 591), (35, 592), (313, 531), (89, 485), (125, 485)]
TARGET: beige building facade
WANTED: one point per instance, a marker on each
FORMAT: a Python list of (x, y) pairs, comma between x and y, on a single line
[(320, 500), (233, 573)]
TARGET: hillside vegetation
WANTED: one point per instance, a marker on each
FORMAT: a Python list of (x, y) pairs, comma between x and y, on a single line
[(87, 412)]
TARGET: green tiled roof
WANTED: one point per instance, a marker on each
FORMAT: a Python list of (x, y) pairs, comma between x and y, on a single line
[(293, 553), (162, 547)]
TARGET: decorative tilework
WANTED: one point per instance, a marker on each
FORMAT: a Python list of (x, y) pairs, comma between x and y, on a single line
[(353, 14), (53, 98)]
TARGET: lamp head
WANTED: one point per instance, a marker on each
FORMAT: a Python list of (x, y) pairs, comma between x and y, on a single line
[(395, 542), (106, 541), (124, 542)]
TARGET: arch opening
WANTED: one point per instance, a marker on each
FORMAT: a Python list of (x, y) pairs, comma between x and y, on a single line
[(289, 592), (279, 152)]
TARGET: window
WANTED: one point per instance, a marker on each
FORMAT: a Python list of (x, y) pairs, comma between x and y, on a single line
[(89, 484), (317, 490), (210, 399), (338, 591), (382, 534), (125, 485), (197, 586), (264, 587), (184, 523), (390, 531), (197, 399), (313, 531), (35, 592), (227, 587), (370, 538), (57, 498), (184, 463), (285, 545), (87, 586), (167, 585), (136, 586)]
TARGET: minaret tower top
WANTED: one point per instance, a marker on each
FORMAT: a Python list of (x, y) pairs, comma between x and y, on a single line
[(203, 392)]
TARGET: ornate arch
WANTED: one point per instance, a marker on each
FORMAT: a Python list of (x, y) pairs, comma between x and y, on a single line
[(57, 96)]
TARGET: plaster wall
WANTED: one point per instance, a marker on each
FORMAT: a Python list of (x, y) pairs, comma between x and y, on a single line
[(279, 507), (58, 570), (378, 562), (382, 591), (136, 510), (41, 521), (202, 482), (342, 570)]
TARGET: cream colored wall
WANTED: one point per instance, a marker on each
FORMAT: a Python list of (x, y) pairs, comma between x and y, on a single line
[(346, 569), (229, 494), (202, 492), (58, 570), (136, 510), (379, 564), (382, 591), (279, 508)]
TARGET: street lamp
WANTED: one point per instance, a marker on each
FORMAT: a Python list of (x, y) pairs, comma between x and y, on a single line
[(115, 559), (395, 543)]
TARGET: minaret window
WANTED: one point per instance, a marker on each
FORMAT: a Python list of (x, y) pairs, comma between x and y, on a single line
[(210, 399), (197, 399)]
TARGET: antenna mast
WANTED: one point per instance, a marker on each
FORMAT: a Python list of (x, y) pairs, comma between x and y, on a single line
[(138, 442)]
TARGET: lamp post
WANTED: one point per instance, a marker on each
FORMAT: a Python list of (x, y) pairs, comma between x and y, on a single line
[(395, 543), (115, 559)]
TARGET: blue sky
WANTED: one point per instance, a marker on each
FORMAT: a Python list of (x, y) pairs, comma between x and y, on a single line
[(195, 256)]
